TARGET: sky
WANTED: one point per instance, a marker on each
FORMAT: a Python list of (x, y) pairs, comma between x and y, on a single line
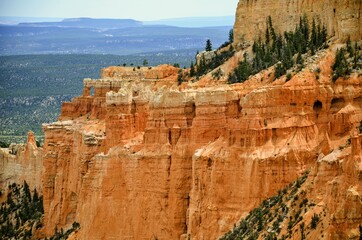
[(143, 10)]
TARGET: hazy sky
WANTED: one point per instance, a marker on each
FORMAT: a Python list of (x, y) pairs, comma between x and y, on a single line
[(135, 9)]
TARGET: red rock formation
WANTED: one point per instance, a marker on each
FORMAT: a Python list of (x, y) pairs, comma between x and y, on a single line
[(148, 160), (21, 162), (334, 185), (145, 158)]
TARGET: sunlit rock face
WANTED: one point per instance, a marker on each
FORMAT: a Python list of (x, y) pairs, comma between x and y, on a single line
[(342, 18), (143, 158), (138, 156), (22, 162)]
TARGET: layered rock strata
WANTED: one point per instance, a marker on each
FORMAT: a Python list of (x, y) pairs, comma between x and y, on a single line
[(143, 159)]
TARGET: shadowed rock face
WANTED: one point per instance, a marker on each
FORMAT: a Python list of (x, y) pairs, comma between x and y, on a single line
[(342, 18), (142, 158)]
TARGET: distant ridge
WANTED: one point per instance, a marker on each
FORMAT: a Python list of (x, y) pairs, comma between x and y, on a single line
[(103, 23), (88, 23), (4, 20), (112, 36)]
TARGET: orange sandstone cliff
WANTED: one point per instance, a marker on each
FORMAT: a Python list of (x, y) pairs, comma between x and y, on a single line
[(22, 162), (143, 159)]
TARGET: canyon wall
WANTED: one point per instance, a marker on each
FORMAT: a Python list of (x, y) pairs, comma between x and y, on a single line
[(335, 185), (22, 162), (144, 158), (342, 18)]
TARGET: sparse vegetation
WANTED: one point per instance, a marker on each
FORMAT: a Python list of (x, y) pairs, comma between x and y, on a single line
[(340, 66), (205, 66), (280, 50), (60, 235), (266, 221), (231, 40), (347, 59), (192, 69), (217, 74), (315, 220), (347, 144), (242, 72), (4, 144), (21, 211), (208, 47)]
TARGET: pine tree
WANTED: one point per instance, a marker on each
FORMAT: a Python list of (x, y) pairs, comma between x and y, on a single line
[(243, 70), (279, 70), (192, 70), (356, 56), (340, 66), (231, 36), (279, 46), (313, 41), (35, 195), (324, 35), (27, 191), (287, 57), (267, 36), (268, 58), (272, 31), (306, 29), (202, 67), (208, 47), (349, 47), (299, 59), (180, 77)]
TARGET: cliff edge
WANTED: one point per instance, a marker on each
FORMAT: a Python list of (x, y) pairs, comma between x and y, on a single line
[(144, 158), (143, 155), (342, 18)]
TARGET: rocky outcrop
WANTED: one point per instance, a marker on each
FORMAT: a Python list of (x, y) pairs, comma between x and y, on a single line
[(342, 18), (341, 196), (325, 203), (143, 158), (21, 162)]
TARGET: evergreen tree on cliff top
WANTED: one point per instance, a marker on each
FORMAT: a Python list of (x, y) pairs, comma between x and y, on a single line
[(231, 36), (208, 47)]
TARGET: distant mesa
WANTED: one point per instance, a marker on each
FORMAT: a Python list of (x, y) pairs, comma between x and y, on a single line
[(107, 23), (88, 23)]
